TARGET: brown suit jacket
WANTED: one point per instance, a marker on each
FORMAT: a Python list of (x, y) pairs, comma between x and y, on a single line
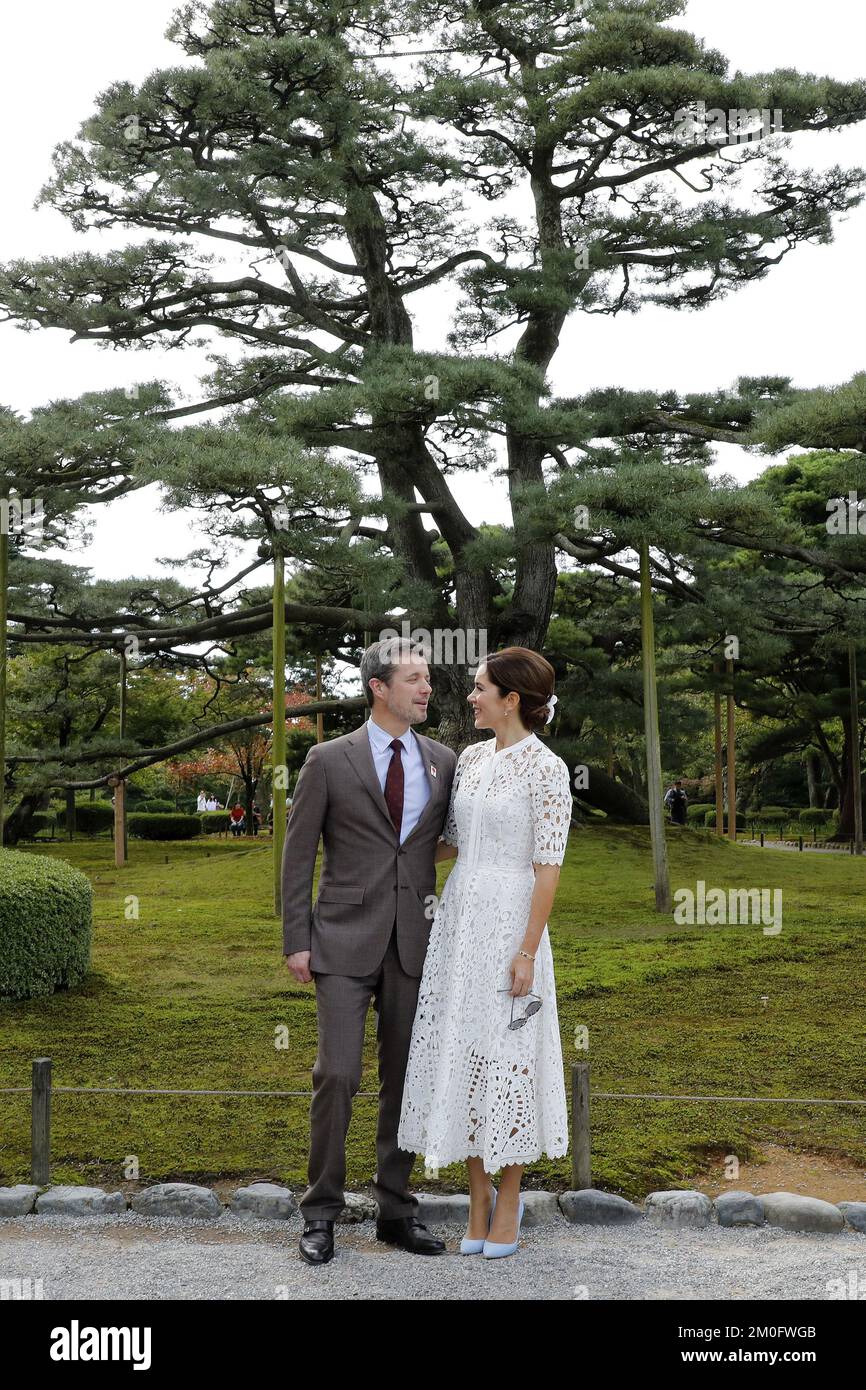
[(369, 881)]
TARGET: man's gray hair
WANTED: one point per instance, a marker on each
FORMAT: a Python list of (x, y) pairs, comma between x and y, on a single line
[(380, 660)]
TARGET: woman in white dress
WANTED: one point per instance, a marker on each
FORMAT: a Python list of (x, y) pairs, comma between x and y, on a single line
[(484, 1079)]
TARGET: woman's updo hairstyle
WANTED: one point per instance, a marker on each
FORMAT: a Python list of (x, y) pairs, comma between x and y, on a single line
[(523, 671)]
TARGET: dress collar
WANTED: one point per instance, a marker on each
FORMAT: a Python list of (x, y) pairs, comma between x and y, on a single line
[(512, 747)]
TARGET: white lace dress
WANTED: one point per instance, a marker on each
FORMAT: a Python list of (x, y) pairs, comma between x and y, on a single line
[(473, 1086)]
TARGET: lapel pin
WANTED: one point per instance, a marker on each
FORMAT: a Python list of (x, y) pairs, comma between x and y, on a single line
[(432, 769)]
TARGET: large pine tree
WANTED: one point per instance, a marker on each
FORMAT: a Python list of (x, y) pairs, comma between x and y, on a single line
[(301, 185)]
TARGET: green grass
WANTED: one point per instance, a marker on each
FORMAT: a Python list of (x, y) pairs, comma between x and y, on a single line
[(193, 994)]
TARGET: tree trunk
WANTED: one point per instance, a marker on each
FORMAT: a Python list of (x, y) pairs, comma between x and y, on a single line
[(617, 801), (20, 823), (813, 776)]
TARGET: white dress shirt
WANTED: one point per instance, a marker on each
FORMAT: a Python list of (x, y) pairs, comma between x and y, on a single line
[(416, 788)]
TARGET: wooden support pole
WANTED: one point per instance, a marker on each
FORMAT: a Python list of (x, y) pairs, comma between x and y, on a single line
[(4, 583), (278, 747), (320, 718), (732, 764), (40, 1122), (717, 731), (661, 875), (581, 1164), (856, 783)]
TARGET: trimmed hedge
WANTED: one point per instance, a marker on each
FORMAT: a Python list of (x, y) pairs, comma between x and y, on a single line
[(154, 808), (91, 817), (43, 820), (46, 917), (160, 827), (816, 815), (710, 820), (698, 812), (212, 822)]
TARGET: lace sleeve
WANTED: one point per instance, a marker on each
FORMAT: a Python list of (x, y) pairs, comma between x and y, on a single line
[(550, 791), (449, 829)]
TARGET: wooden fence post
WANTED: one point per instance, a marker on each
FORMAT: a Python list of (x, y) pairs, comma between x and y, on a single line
[(581, 1172), (40, 1122)]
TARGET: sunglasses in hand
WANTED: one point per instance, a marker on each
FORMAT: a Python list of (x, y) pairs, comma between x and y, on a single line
[(530, 1008)]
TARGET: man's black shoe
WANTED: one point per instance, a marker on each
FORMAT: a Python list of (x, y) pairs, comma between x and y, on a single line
[(317, 1242), (409, 1233)]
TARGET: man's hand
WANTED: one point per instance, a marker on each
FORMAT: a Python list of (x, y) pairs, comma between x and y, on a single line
[(299, 966)]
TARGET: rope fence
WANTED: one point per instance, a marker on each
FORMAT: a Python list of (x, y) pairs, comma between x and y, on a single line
[(42, 1089)]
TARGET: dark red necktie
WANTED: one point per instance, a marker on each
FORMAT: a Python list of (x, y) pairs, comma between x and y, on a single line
[(394, 786)]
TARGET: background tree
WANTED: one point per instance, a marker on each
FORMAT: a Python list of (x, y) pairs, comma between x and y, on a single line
[(336, 188)]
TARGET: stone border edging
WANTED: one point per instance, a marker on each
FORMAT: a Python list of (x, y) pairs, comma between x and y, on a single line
[(678, 1207)]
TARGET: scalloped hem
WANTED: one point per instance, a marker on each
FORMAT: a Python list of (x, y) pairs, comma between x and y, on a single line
[(443, 1161)]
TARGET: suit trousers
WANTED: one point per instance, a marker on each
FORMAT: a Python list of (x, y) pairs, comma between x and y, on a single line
[(342, 1003)]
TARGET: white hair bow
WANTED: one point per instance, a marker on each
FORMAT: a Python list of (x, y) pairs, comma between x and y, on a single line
[(551, 702)]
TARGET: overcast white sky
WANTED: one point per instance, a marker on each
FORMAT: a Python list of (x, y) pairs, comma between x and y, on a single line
[(804, 321)]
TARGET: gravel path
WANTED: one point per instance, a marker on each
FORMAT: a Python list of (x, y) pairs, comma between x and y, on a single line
[(133, 1257)]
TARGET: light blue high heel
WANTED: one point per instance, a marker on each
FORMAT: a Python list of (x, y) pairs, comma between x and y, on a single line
[(474, 1247), (493, 1249)]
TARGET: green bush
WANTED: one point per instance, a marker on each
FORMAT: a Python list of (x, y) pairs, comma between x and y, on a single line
[(710, 820), (143, 826), (46, 914), (698, 812), (212, 822), (816, 815), (773, 820), (154, 808), (91, 817), (43, 820)]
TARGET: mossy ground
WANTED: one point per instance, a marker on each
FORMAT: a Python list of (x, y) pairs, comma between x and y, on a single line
[(194, 994)]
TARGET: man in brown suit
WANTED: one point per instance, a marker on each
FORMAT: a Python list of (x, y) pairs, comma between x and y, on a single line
[(377, 798)]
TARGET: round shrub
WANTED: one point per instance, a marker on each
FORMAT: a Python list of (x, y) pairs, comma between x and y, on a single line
[(46, 914), (143, 826), (155, 808), (697, 813), (816, 815), (212, 822)]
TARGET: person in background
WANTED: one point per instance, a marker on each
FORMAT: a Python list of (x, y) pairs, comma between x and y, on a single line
[(212, 804), (257, 820), (676, 802), (201, 804), (237, 819)]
